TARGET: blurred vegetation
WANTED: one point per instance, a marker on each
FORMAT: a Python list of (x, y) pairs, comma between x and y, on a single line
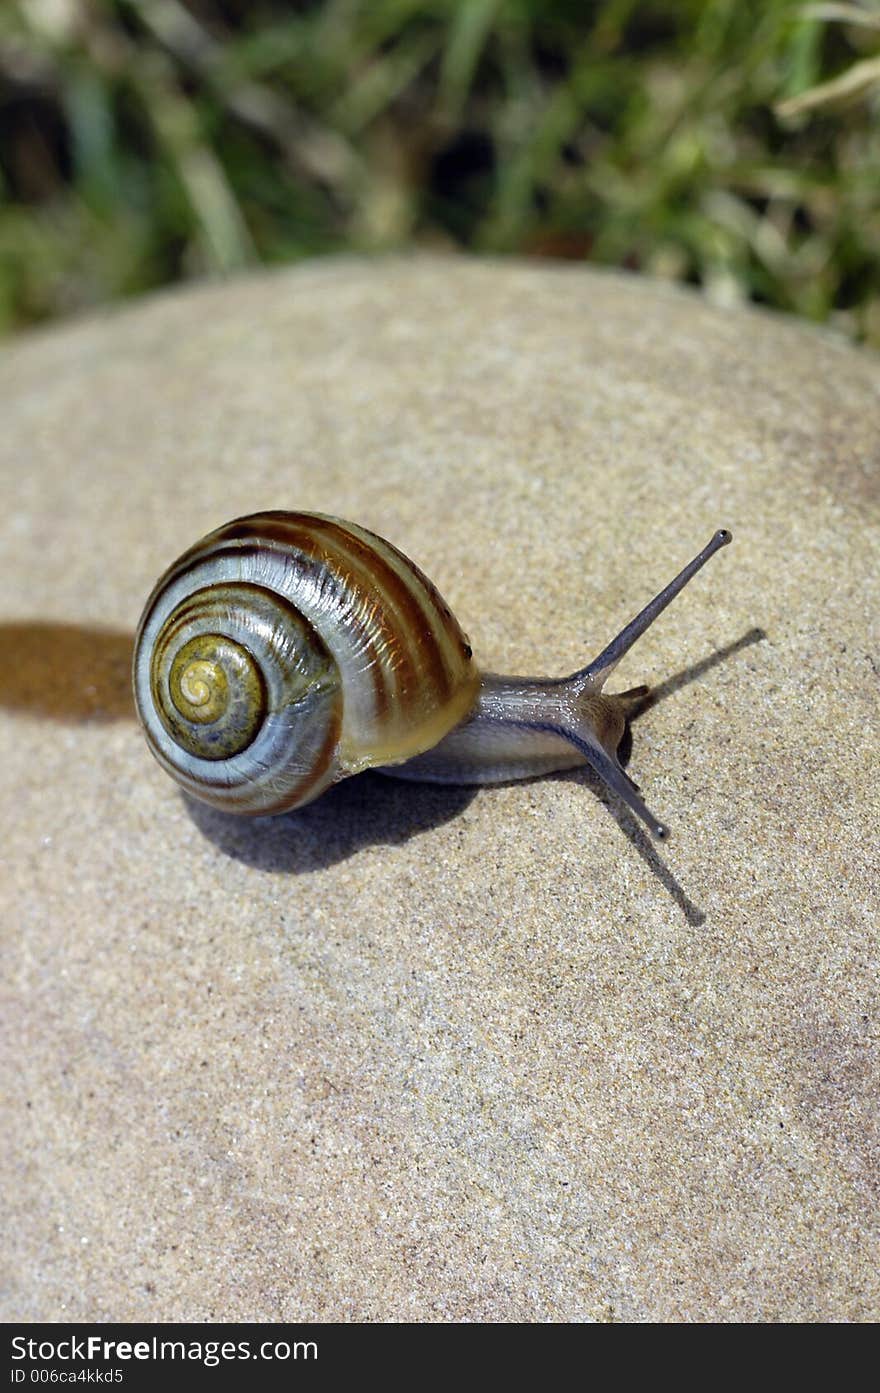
[(732, 144)]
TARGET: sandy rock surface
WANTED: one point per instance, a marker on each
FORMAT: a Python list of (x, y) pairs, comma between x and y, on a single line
[(425, 1053)]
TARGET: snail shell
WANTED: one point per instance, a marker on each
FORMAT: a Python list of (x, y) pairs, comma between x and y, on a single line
[(285, 651)]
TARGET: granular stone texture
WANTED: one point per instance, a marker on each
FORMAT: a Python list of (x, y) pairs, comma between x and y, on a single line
[(417, 1053)]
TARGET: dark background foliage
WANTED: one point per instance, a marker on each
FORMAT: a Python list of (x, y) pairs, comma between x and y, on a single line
[(728, 143)]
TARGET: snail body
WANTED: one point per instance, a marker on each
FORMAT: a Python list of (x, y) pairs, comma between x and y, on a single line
[(287, 651)]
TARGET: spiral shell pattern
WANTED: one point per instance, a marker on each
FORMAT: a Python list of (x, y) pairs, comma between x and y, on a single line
[(286, 651)]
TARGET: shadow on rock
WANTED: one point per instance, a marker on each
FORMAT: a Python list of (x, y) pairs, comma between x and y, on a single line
[(366, 811), (66, 672), (374, 811), (73, 673), (692, 674), (635, 834), (629, 825)]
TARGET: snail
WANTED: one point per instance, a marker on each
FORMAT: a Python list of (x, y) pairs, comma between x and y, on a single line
[(287, 651)]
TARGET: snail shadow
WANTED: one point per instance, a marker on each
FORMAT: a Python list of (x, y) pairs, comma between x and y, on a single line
[(66, 672), (629, 825), (696, 670), (639, 839), (373, 810), (79, 674), (350, 817)]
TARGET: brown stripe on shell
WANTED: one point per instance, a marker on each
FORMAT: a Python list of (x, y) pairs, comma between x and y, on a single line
[(371, 629), (234, 797), (381, 577), (396, 584), (417, 660), (449, 623), (424, 616), (299, 794), (393, 574), (267, 529)]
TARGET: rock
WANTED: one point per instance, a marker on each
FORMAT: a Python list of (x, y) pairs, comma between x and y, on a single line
[(425, 1053)]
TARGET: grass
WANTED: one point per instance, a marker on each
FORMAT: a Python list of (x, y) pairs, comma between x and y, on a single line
[(732, 144)]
